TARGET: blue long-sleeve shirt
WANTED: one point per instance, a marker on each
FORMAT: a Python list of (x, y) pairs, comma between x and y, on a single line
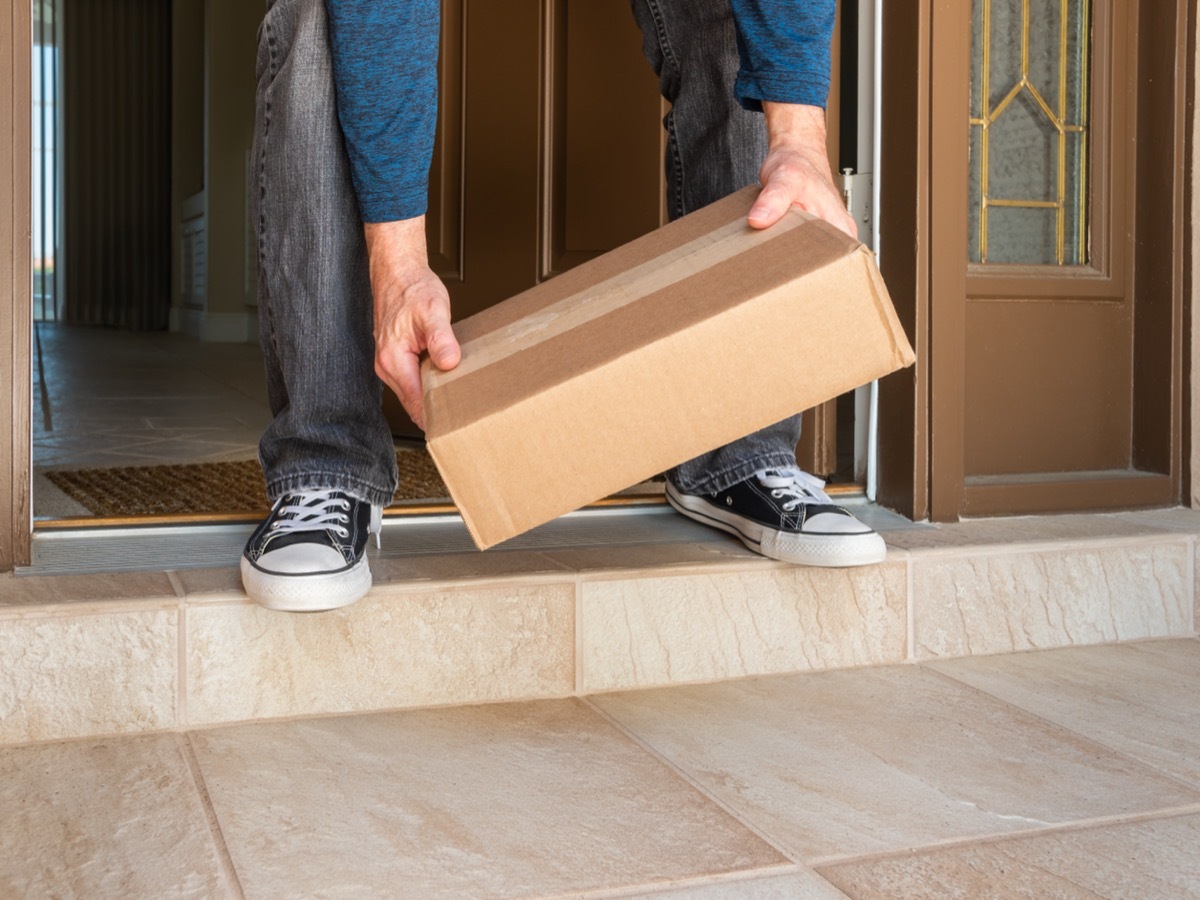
[(385, 67)]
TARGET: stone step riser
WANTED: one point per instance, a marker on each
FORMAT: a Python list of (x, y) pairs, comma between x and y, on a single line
[(204, 658)]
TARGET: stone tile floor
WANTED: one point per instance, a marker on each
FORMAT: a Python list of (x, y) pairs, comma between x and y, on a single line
[(1061, 773)]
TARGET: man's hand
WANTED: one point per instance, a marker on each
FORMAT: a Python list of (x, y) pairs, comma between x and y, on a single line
[(412, 310), (796, 170)]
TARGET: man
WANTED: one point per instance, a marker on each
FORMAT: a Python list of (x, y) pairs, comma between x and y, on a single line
[(345, 120)]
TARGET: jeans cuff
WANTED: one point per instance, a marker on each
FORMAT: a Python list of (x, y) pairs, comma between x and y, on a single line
[(713, 482), (330, 481)]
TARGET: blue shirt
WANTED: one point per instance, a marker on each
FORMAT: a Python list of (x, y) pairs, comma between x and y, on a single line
[(385, 67)]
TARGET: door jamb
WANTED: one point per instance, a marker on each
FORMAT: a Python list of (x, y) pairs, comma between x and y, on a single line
[(15, 322)]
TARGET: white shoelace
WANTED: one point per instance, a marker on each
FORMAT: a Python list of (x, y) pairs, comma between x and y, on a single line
[(796, 485), (320, 510)]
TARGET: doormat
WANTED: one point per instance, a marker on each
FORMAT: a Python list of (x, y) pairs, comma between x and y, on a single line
[(210, 488)]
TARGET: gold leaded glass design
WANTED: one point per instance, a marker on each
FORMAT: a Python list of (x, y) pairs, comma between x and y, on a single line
[(1030, 61)]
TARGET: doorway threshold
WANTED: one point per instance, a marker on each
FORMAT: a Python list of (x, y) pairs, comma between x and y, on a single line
[(189, 545), (156, 547)]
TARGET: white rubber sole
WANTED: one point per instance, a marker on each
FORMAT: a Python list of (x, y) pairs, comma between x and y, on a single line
[(306, 593), (827, 550)]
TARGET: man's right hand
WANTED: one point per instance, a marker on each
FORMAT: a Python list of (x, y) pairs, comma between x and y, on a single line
[(412, 310)]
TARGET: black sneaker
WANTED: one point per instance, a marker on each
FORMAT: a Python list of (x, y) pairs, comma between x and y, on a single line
[(785, 514), (309, 554)]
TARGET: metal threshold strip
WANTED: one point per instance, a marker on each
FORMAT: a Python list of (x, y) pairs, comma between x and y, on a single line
[(145, 545)]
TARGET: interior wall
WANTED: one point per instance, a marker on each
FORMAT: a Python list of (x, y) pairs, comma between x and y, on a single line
[(213, 45), (232, 28)]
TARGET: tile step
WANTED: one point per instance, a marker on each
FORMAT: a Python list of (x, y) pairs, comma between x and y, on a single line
[(645, 601)]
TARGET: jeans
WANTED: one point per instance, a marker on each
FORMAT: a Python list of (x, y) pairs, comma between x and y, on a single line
[(315, 308), (714, 147)]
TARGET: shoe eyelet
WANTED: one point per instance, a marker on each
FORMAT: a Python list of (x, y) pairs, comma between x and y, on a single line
[(728, 501), (776, 494), (343, 533)]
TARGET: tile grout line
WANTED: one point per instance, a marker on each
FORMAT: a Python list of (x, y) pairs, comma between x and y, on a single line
[(649, 748), (181, 679), (648, 888), (41, 611), (911, 637), (1191, 569), (210, 813), (181, 716), (578, 666), (1050, 545), (1070, 827)]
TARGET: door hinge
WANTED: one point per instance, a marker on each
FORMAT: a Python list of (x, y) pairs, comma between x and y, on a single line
[(856, 191)]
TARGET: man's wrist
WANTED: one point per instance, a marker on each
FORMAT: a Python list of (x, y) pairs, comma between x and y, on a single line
[(399, 244), (794, 124)]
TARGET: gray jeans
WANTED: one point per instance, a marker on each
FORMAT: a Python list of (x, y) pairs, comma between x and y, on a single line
[(314, 293)]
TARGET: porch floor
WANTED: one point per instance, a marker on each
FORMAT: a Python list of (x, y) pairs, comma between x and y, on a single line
[(1071, 772)]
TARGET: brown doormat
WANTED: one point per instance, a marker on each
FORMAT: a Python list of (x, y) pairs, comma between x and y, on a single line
[(207, 488)]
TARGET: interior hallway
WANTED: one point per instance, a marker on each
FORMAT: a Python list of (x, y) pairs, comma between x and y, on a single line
[(1062, 773)]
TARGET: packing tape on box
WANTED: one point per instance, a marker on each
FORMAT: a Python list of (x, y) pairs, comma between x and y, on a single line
[(607, 296)]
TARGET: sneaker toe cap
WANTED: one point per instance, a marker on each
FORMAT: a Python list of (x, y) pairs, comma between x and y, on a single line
[(834, 523), (301, 559)]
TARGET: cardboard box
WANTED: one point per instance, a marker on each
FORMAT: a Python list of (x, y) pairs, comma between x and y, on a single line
[(681, 341)]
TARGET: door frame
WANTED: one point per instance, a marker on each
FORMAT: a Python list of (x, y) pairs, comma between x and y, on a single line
[(913, 468), (16, 37)]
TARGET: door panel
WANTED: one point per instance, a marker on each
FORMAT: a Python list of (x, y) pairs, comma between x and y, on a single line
[(1048, 387)]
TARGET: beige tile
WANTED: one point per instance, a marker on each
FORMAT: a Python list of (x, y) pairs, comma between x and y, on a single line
[(1072, 528), (802, 884), (72, 676), (1147, 860), (411, 649), (657, 556), (501, 800), (995, 603), (17, 592), (1180, 520), (1136, 698), (443, 567), (115, 818), (843, 763), (223, 583), (646, 631)]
